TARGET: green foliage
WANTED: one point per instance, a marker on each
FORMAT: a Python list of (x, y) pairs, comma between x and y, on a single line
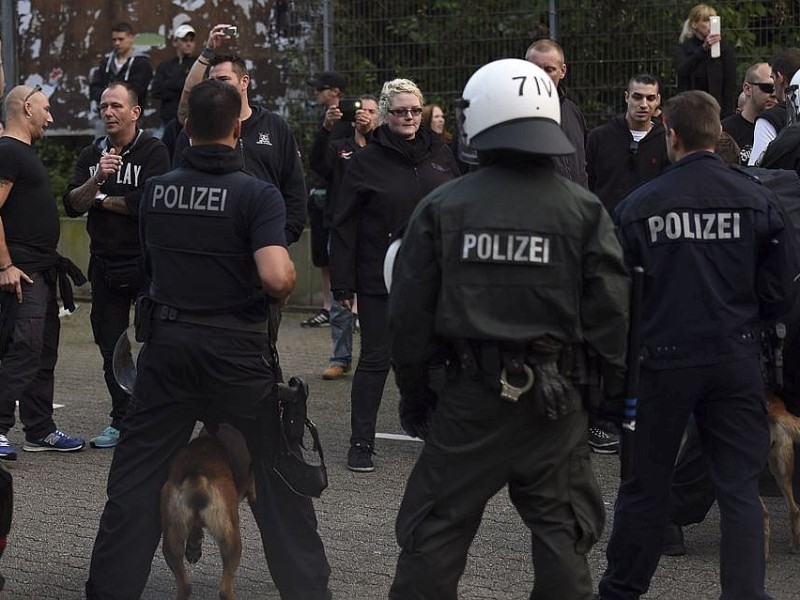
[(440, 43), (59, 155)]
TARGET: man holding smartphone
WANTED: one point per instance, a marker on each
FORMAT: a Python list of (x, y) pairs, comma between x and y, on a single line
[(328, 90)]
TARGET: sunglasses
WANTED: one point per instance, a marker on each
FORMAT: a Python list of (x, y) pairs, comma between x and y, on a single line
[(767, 88), (402, 112), (38, 88)]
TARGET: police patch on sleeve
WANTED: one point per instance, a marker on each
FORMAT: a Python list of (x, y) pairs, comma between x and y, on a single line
[(690, 225), (505, 247)]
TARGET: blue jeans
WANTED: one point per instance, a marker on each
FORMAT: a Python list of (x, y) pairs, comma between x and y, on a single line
[(341, 335)]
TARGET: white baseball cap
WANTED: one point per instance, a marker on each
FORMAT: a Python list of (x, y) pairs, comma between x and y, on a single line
[(182, 31)]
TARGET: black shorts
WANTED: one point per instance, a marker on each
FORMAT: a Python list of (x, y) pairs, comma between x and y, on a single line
[(319, 237)]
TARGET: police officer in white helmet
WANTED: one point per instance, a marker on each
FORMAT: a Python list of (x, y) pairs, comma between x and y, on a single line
[(505, 276)]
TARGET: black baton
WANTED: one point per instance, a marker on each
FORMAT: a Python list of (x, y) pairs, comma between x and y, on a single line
[(632, 378)]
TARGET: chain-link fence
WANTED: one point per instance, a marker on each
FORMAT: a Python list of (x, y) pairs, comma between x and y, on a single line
[(440, 43)]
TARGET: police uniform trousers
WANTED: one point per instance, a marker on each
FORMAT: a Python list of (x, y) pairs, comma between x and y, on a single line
[(479, 443), (111, 309), (26, 370), (728, 404), (373, 367), (188, 372)]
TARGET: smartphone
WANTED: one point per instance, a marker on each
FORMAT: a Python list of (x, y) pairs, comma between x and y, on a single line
[(714, 29), (349, 106), (231, 31)]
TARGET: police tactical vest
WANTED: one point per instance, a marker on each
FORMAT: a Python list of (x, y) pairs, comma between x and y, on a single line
[(194, 233)]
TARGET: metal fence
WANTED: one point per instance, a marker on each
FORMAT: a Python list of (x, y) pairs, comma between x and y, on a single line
[(439, 43)]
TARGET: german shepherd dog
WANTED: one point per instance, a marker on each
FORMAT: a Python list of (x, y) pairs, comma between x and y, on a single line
[(784, 429), (204, 490)]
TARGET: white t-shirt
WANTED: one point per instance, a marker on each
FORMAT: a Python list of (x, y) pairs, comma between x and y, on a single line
[(763, 134)]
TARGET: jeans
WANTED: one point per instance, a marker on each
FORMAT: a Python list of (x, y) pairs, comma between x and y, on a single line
[(341, 334)]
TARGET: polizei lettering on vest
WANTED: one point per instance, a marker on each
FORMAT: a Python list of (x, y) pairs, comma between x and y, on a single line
[(689, 225), (505, 247), (192, 199)]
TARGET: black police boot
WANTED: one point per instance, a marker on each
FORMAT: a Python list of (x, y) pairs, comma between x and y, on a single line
[(673, 541)]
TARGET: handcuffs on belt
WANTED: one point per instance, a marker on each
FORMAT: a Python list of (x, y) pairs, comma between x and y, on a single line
[(511, 392)]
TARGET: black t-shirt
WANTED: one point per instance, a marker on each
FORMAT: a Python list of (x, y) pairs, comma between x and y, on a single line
[(741, 130), (30, 216)]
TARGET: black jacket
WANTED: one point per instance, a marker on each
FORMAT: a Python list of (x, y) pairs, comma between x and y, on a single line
[(330, 160), (784, 151), (136, 71), (573, 166), (552, 267), (382, 185), (269, 152), (706, 234), (698, 71), (110, 233), (168, 84), (616, 166)]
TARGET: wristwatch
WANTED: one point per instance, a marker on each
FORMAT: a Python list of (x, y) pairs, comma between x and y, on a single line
[(98, 200)]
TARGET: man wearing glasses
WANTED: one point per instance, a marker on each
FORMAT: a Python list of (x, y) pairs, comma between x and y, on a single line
[(769, 123), (29, 269), (759, 91)]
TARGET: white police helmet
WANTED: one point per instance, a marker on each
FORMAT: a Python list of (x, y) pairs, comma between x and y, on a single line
[(512, 104), (388, 262), (793, 98)]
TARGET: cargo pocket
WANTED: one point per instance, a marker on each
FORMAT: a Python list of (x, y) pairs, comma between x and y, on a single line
[(586, 499), (419, 500)]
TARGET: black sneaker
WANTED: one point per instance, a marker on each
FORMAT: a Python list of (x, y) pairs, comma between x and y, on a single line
[(602, 441), (359, 458), (673, 541), (321, 319)]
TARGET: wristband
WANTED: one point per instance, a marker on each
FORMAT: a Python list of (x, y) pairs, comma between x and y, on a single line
[(208, 53), (9, 265)]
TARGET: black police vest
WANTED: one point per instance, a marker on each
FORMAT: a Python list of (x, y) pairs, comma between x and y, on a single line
[(196, 244), (511, 267)]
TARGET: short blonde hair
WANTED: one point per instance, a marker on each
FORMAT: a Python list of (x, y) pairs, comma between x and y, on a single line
[(699, 12), (393, 88)]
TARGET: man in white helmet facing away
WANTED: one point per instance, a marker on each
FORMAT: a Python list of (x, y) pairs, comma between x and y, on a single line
[(505, 275)]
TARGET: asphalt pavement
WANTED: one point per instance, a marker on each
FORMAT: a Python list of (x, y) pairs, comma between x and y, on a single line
[(58, 499)]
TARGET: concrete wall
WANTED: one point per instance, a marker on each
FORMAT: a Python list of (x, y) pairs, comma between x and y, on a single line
[(74, 244)]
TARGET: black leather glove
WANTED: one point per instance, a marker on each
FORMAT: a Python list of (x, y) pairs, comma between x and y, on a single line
[(417, 399), (555, 396), (416, 412)]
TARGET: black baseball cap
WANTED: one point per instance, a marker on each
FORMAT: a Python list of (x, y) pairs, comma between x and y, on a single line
[(328, 79)]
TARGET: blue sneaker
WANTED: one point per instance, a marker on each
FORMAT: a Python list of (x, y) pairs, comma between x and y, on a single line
[(108, 439), (58, 441), (7, 451)]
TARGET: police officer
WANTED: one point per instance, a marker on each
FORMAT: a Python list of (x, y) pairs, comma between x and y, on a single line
[(215, 249), (717, 261), (504, 273)]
